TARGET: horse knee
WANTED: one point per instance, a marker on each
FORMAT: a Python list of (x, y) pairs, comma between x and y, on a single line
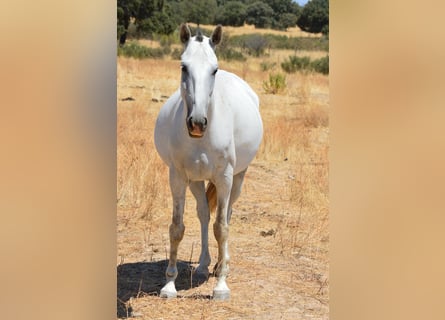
[(221, 231), (176, 232)]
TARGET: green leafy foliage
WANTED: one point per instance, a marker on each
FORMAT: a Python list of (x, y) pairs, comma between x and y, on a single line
[(304, 64), (285, 13), (281, 42), (148, 16), (265, 65), (275, 84), (321, 65), (134, 50), (233, 13), (295, 63), (315, 17), (226, 52), (259, 14), (163, 16)]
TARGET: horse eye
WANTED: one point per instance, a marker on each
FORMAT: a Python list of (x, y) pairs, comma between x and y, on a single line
[(215, 71), (184, 68)]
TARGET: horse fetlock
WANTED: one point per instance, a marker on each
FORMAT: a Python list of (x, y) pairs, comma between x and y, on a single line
[(221, 269), (171, 273)]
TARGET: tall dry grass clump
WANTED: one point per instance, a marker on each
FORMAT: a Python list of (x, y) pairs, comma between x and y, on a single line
[(141, 176), (296, 140)]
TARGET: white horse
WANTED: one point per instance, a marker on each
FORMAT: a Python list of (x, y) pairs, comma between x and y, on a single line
[(209, 129)]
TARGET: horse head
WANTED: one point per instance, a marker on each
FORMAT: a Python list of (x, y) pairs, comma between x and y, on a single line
[(199, 66)]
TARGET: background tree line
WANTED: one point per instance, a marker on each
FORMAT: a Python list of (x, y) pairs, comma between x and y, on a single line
[(163, 16)]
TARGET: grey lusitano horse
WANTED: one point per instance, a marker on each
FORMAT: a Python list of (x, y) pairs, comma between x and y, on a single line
[(209, 129)]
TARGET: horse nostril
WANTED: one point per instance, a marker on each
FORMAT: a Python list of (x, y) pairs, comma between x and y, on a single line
[(190, 122), (205, 122)]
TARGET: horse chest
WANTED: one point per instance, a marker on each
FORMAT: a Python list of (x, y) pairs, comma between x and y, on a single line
[(198, 166)]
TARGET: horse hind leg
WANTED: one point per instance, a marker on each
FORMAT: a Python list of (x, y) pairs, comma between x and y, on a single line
[(202, 207), (235, 192)]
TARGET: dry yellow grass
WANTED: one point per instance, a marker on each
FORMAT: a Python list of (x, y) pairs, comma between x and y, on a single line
[(279, 230), (248, 29)]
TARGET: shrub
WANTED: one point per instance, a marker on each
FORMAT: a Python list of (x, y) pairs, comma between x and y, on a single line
[(276, 83), (256, 44), (135, 50), (283, 42), (229, 54), (225, 51), (321, 65), (296, 64), (267, 65), (176, 54)]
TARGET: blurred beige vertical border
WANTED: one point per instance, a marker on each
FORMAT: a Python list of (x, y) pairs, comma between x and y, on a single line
[(387, 160), (58, 160)]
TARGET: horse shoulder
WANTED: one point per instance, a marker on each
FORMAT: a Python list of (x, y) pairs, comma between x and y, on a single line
[(164, 124)]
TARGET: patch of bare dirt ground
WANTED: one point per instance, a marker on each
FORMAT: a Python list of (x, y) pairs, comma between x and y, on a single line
[(279, 236)]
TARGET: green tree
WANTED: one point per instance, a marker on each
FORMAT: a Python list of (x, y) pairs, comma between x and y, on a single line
[(282, 9), (200, 11), (126, 9), (233, 13), (259, 14), (315, 17), (287, 20), (149, 16), (154, 16)]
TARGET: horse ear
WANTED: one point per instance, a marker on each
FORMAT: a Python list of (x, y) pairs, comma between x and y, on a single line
[(184, 33), (217, 35)]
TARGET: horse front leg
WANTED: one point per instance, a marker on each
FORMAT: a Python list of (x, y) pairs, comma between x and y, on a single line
[(176, 232), (221, 231)]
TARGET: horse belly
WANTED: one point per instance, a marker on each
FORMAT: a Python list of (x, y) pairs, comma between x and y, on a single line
[(243, 105), (247, 137)]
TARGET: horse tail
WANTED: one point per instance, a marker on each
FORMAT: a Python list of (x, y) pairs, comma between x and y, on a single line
[(211, 196)]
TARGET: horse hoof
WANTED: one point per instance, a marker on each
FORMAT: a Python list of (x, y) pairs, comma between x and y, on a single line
[(221, 295), (168, 294), (201, 271), (168, 291), (200, 277)]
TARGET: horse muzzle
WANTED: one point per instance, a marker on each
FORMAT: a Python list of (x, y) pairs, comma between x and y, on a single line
[(196, 126)]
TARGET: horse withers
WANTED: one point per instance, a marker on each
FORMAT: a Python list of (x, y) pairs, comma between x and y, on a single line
[(209, 130)]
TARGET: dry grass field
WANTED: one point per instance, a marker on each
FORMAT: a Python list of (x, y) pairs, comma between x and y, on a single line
[(279, 237)]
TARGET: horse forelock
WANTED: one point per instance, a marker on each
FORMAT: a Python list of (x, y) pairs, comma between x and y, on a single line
[(199, 37), (199, 47)]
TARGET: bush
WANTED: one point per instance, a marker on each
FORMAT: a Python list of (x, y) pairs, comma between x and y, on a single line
[(321, 65), (176, 54), (296, 64), (282, 42), (267, 65), (134, 50), (305, 64), (276, 83), (225, 51), (229, 54)]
